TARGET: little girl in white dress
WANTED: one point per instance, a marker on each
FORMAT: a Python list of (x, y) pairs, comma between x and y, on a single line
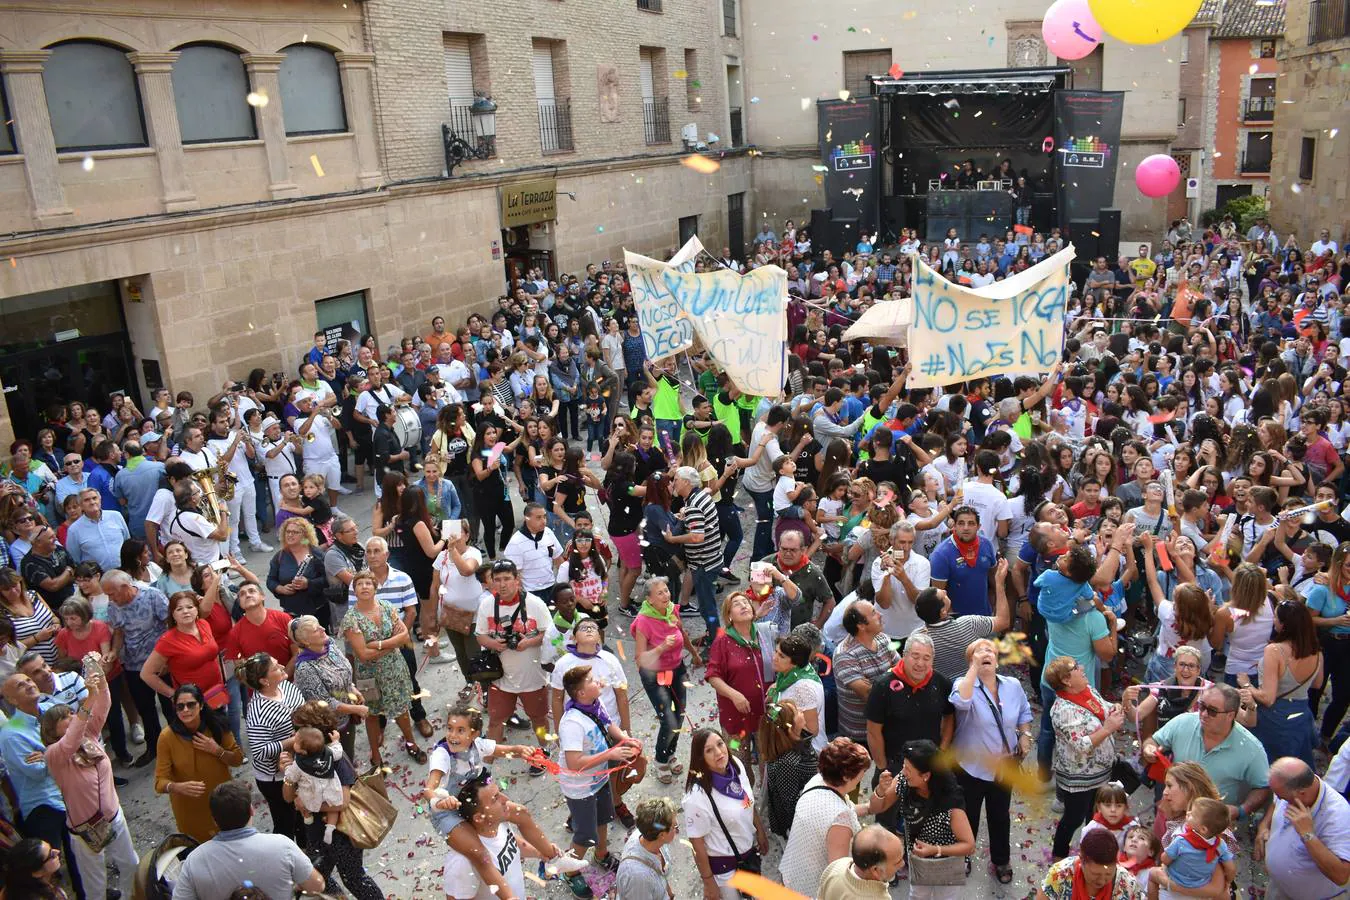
[(314, 775)]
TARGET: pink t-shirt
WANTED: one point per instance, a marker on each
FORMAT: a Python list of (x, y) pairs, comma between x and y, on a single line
[(656, 631)]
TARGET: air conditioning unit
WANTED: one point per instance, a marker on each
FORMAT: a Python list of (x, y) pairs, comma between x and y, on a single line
[(1192, 188), (689, 135)]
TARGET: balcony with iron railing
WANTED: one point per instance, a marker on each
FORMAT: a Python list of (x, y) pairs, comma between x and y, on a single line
[(462, 126), (656, 120), (737, 128), (1254, 164), (555, 125), (649, 5), (1258, 109), (1328, 20)]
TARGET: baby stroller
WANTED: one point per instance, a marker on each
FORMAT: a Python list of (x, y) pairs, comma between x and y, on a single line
[(159, 870)]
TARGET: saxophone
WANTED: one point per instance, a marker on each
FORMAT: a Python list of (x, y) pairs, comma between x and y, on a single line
[(206, 482)]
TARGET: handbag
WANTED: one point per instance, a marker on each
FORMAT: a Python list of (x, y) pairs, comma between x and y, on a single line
[(924, 871), (749, 861), (458, 620), (368, 688), (97, 833), (368, 815)]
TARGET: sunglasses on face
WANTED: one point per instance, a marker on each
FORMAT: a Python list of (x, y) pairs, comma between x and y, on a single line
[(186, 705), (1206, 709)]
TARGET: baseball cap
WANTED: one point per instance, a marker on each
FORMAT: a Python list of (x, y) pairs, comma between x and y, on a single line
[(269, 422)]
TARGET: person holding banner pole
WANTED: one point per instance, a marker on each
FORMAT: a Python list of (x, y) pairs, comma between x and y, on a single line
[(759, 478)]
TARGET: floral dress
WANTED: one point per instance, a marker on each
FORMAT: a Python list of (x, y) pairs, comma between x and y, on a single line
[(1058, 882), (390, 672)]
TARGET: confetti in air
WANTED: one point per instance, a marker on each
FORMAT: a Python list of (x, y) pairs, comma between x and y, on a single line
[(314, 161), (88, 164), (701, 164), (844, 94), (257, 98), (680, 74), (806, 103)]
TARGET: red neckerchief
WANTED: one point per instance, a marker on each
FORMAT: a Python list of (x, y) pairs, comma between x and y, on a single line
[(787, 569), (1133, 866), (1101, 820), (899, 672), (1211, 848), (1080, 891), (1086, 700), (970, 552)]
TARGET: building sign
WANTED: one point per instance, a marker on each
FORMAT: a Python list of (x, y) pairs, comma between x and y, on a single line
[(529, 202)]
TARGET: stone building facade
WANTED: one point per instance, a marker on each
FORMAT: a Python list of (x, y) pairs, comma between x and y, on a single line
[(1310, 161), (798, 55), (246, 174)]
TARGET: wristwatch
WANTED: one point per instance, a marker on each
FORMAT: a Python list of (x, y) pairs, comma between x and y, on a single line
[(1307, 836)]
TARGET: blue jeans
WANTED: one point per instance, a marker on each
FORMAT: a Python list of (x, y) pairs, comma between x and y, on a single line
[(1045, 744), (236, 708), (669, 705), (763, 545), (705, 589), (729, 519)]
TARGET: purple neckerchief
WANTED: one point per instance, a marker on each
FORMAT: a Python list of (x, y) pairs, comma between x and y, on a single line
[(308, 655), (572, 649), (729, 784), (592, 709)]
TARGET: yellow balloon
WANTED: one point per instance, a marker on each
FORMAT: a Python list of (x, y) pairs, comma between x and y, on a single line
[(1143, 21)]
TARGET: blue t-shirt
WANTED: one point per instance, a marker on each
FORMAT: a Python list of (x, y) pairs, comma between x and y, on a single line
[(1037, 564), (967, 586), (1074, 638), (1322, 602), (1188, 867), (1060, 597)]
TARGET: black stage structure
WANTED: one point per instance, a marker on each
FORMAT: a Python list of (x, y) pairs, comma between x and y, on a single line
[(893, 160)]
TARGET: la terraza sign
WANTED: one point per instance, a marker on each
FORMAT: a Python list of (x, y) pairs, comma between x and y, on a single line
[(529, 202)]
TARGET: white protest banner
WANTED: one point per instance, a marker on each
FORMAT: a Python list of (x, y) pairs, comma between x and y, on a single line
[(740, 319), (1012, 326), (886, 322), (664, 331)]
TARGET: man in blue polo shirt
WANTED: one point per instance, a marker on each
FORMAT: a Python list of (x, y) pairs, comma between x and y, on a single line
[(962, 564)]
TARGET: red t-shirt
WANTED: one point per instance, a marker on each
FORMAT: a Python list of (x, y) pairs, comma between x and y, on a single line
[(743, 669), (1321, 456), (271, 637), (191, 660), (75, 648), (220, 623)]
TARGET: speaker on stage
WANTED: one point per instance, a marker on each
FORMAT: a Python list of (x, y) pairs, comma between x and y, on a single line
[(820, 222), (893, 211), (1108, 230), (1085, 242)]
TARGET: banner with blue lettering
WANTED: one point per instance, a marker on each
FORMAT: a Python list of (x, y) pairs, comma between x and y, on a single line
[(740, 319), (1011, 327)]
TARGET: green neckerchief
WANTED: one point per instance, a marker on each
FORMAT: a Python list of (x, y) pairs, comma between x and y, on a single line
[(650, 611), (562, 624), (787, 679), (750, 643)]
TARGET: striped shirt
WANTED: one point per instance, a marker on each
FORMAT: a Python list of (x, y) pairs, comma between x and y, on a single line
[(951, 637), (700, 515), (267, 725), (397, 590), (27, 626)]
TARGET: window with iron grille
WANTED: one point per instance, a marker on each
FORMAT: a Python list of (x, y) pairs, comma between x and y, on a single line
[(649, 5), (729, 18), (555, 113), (1328, 20), (858, 64)]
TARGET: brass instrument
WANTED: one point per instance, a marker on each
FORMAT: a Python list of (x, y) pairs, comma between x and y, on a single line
[(206, 483)]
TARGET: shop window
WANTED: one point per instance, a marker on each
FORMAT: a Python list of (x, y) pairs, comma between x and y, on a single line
[(92, 97), (210, 88), (311, 91)]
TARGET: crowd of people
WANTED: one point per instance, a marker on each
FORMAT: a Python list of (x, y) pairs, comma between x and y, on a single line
[(1120, 589)]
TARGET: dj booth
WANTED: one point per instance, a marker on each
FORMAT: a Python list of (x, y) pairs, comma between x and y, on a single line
[(970, 212)]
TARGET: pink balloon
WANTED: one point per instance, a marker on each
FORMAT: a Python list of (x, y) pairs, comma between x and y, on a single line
[(1069, 29), (1157, 176)]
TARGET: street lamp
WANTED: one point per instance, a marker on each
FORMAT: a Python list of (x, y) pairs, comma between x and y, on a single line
[(457, 150)]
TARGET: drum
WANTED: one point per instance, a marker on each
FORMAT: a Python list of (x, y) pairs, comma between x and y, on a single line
[(407, 427)]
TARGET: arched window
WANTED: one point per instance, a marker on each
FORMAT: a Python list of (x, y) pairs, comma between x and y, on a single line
[(210, 88), (93, 98), (311, 91)]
